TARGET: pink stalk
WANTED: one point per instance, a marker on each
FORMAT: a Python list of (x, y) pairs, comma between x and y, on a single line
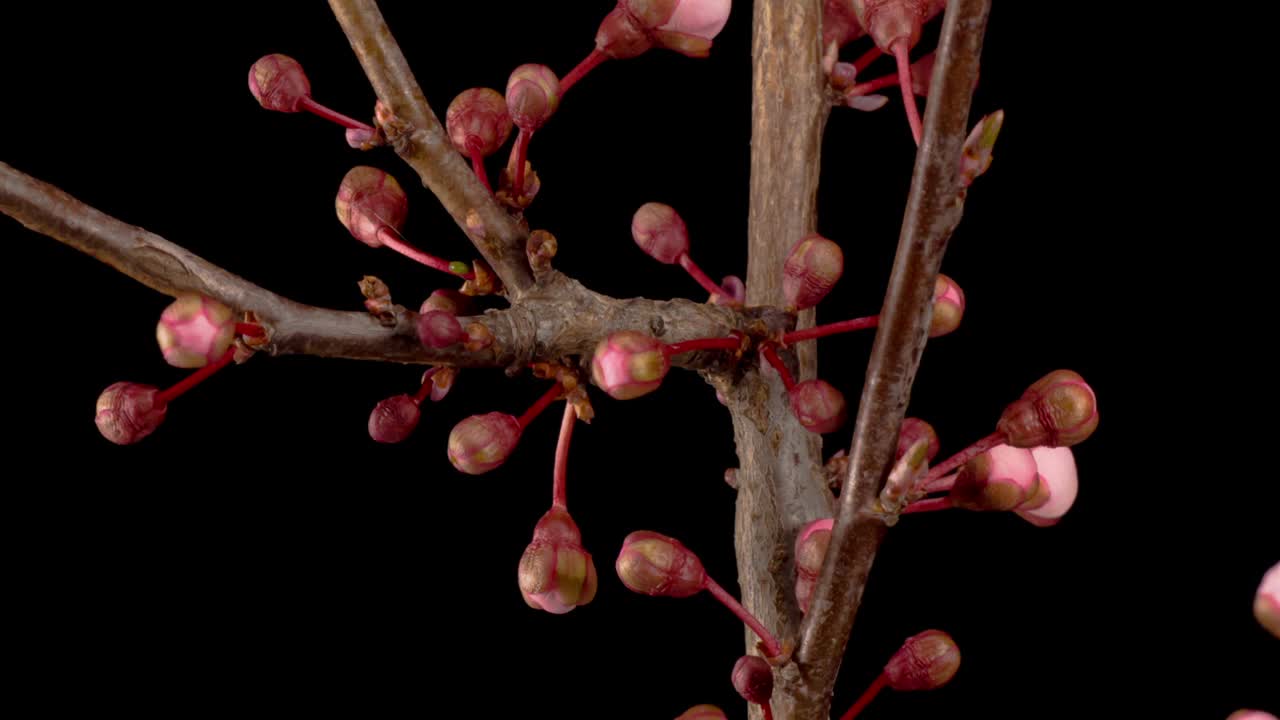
[(871, 86), (165, 397), (315, 108), (964, 456), (867, 58), (477, 164), (250, 329), (427, 385), (832, 329), (547, 398), (707, 283), (942, 484), (881, 682), (900, 52), (728, 343), (772, 356), (559, 497), (930, 505), (588, 64), (388, 236), (771, 646), (519, 153)]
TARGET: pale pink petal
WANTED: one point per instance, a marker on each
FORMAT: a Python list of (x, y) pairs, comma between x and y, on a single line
[(1057, 467), (701, 18)]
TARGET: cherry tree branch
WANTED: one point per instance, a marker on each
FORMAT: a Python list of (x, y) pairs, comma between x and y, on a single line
[(557, 319), (421, 141), (934, 208)]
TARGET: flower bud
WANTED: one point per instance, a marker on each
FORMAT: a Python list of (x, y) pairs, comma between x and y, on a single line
[(948, 306), (441, 382), (811, 550), (195, 331), (368, 200), (450, 301), (481, 443), (540, 249), (685, 26), (1001, 478), (278, 83), (735, 292), (628, 364), (1060, 409), (533, 93), (818, 406), (439, 329), (1251, 715), (1266, 604), (660, 232), (365, 138), (394, 419), (128, 412), (556, 574), (811, 270), (477, 120), (753, 679), (924, 662), (1058, 484), (911, 431), (703, 712), (654, 564), (887, 21)]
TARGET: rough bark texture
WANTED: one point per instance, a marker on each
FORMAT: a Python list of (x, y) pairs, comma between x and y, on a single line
[(933, 210), (781, 484)]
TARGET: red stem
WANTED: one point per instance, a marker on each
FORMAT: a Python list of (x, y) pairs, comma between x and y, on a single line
[(880, 683), (547, 398), (942, 484), (867, 58), (518, 153), (726, 343), (772, 356), (477, 164), (389, 237), (195, 378), (871, 86), (832, 329), (559, 497), (771, 646), (900, 52), (250, 329), (425, 390), (929, 505), (964, 456), (316, 108), (588, 64), (707, 283)]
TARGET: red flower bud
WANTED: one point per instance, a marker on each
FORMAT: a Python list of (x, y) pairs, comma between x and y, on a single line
[(195, 331), (811, 270), (369, 200), (818, 406), (912, 430), (278, 83), (660, 232), (533, 94), (128, 412), (481, 443), (1266, 604), (1060, 409), (477, 120), (811, 551), (924, 662), (703, 712), (948, 306), (655, 564), (753, 679), (439, 329), (556, 574), (394, 419), (1002, 478), (629, 364), (450, 301)]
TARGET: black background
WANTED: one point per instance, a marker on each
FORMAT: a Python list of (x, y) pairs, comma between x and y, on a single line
[(261, 552)]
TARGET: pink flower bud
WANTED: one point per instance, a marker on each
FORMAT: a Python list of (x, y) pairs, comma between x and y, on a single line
[(699, 18), (948, 306), (911, 431), (654, 564), (685, 26), (481, 443), (735, 292), (628, 364), (556, 574), (368, 200), (278, 83), (128, 412), (477, 120), (753, 679), (439, 329), (450, 301), (533, 94), (924, 662), (394, 419), (703, 712), (660, 232), (365, 138), (811, 270), (811, 551), (1266, 604), (441, 382), (818, 406), (1001, 478), (889, 20), (195, 331), (1251, 715), (1058, 484), (1060, 409)]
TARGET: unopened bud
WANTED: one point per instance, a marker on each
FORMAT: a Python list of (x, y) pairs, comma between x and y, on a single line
[(481, 443), (128, 412), (1001, 478), (556, 574), (888, 22), (1059, 484), (1251, 715), (441, 382), (811, 270), (660, 232), (654, 564), (978, 147), (1266, 604), (753, 679), (811, 551), (278, 83), (450, 301), (195, 331), (924, 662), (533, 94), (540, 249), (365, 138), (1060, 409), (628, 364), (703, 712), (914, 429), (477, 120), (735, 292), (368, 200), (394, 419), (948, 306), (818, 406), (439, 329)]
